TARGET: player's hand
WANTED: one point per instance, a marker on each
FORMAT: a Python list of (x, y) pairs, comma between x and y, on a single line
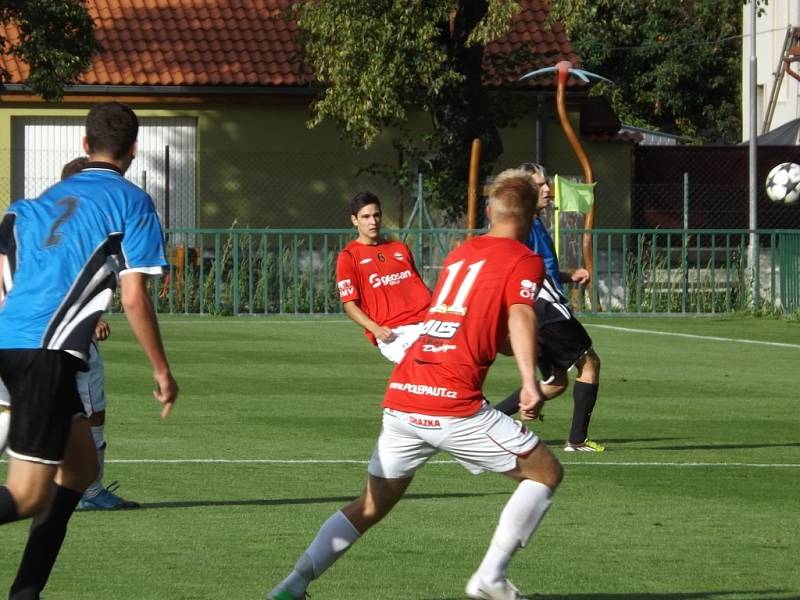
[(385, 335), (102, 330), (580, 276), (531, 402), (166, 391)]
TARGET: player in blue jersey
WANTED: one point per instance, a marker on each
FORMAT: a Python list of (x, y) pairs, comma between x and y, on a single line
[(91, 387), (61, 255), (564, 343)]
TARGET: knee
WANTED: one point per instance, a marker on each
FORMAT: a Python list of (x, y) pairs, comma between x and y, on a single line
[(362, 514), (593, 361), (556, 475), (79, 479), (553, 390), (30, 501)]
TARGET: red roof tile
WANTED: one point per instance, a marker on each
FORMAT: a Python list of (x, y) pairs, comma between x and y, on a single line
[(247, 42)]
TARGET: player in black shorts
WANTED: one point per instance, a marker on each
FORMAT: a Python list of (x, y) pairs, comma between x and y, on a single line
[(564, 342)]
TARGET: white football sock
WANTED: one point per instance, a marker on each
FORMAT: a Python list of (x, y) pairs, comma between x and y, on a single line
[(520, 518), (100, 444), (333, 539), (5, 421)]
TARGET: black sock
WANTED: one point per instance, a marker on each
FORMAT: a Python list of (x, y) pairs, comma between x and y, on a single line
[(510, 405), (584, 396), (8, 508), (44, 541)]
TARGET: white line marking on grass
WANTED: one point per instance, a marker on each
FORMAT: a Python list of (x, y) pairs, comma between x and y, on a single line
[(315, 461), (696, 337), (256, 319)]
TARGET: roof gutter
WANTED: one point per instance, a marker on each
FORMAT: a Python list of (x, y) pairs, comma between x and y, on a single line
[(167, 90)]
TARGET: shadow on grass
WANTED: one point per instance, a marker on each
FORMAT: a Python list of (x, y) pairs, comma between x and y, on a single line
[(296, 501), (719, 595), (726, 446), (618, 441)]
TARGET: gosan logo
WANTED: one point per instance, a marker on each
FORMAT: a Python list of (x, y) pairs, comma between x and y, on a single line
[(345, 287), (440, 329), (528, 289), (377, 281)]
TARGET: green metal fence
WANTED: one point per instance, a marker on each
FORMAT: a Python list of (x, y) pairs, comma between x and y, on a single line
[(292, 271)]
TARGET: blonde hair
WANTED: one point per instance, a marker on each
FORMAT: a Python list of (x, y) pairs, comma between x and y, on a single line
[(513, 195)]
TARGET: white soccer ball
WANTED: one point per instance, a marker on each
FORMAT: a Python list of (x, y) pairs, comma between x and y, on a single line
[(783, 183)]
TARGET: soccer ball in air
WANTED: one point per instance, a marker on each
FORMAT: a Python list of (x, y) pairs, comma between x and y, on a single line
[(783, 183)]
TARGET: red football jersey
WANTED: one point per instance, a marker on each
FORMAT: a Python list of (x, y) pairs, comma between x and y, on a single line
[(443, 372), (384, 280)]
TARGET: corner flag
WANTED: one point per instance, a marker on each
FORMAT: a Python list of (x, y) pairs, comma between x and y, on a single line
[(573, 197)]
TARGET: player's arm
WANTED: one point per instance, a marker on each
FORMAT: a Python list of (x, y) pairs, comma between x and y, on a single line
[(353, 310), (142, 318), (522, 329)]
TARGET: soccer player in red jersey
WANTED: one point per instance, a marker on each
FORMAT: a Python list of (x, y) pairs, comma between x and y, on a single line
[(379, 285), (482, 305)]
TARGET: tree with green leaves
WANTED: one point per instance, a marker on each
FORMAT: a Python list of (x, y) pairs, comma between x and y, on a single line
[(378, 59), (675, 64), (56, 39)]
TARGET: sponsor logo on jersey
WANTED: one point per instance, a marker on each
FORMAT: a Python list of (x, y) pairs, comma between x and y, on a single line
[(440, 329), (364, 261), (423, 390), (399, 256), (377, 281), (345, 287), (439, 347), (528, 289), (425, 422)]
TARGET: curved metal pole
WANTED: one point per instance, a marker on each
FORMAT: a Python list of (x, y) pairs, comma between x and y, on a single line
[(562, 74), (472, 189)]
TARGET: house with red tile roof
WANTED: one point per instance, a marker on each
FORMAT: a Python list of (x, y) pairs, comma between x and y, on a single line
[(224, 97)]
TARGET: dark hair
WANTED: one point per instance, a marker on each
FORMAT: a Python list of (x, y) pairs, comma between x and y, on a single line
[(111, 127), (74, 166), (362, 199), (534, 167)]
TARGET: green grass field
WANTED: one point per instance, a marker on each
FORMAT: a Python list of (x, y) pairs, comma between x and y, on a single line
[(697, 496)]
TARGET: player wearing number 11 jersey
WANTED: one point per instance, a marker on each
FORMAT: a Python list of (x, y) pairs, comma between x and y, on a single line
[(484, 297)]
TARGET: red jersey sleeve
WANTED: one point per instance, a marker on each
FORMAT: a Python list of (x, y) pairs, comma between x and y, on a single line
[(346, 277), (525, 281)]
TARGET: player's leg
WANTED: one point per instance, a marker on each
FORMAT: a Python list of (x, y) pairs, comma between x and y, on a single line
[(5, 422), (5, 416), (27, 489), (397, 455), (91, 387), (553, 378), (502, 445), (584, 393), (49, 527), (339, 533)]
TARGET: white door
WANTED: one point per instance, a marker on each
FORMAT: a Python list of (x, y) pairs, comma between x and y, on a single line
[(165, 164)]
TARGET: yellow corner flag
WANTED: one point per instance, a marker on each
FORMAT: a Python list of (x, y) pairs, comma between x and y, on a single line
[(573, 197)]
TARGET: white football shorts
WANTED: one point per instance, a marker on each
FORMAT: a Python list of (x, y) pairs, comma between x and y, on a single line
[(5, 397), (485, 441), (406, 335), (91, 383)]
